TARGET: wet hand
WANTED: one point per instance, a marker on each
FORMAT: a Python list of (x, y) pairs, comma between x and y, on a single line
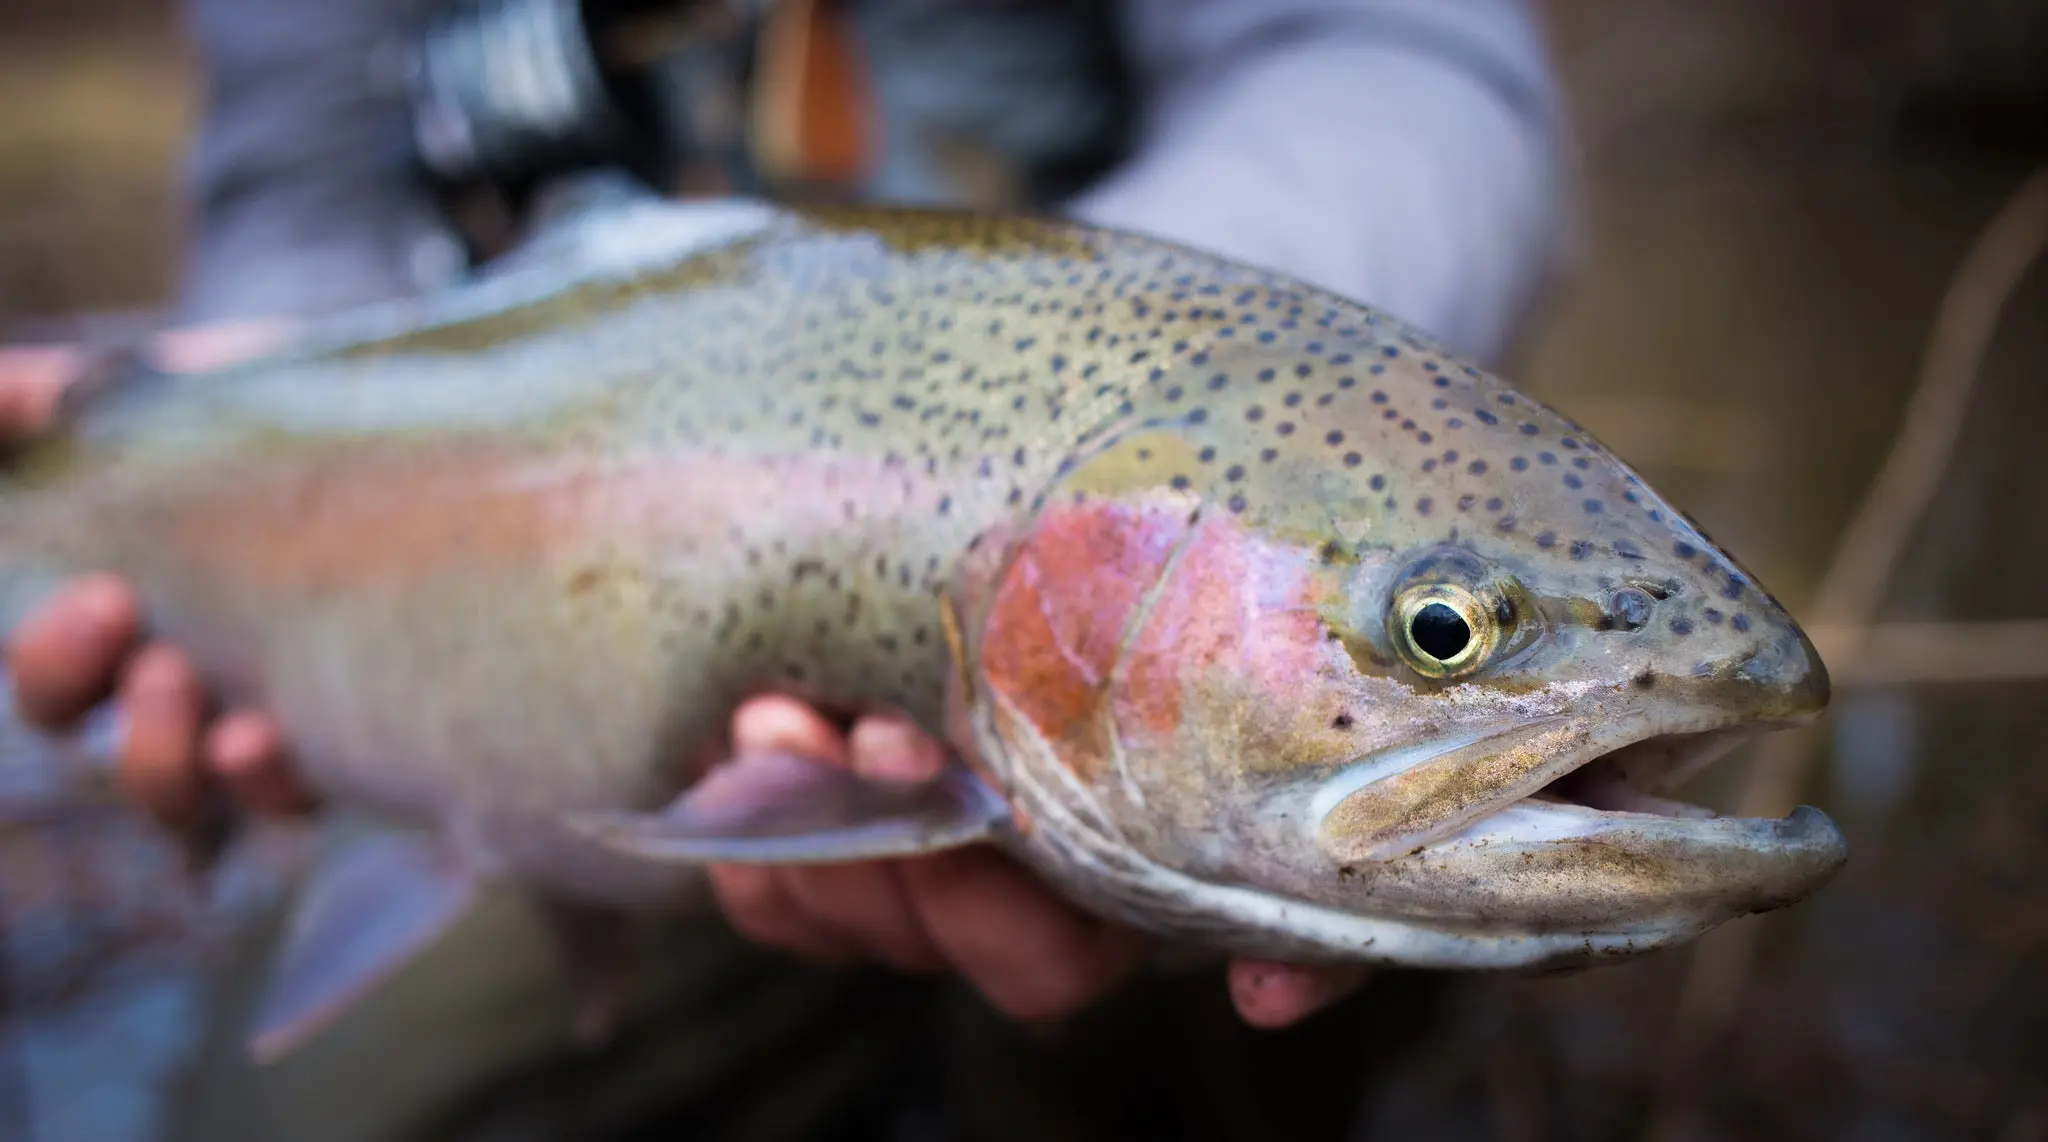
[(1032, 954)]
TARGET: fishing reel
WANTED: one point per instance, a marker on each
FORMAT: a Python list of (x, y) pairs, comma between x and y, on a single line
[(987, 106), (509, 94)]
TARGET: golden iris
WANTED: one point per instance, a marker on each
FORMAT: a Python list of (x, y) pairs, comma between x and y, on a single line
[(1443, 630)]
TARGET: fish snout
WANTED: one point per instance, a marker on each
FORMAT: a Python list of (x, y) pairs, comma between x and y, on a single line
[(1784, 677)]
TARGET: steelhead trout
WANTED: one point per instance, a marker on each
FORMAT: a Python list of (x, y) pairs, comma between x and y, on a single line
[(1255, 618)]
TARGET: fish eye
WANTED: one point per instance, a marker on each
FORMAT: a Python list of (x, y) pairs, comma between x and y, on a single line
[(1444, 630)]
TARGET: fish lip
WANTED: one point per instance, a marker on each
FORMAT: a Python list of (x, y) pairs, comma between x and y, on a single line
[(1693, 748), (1605, 734)]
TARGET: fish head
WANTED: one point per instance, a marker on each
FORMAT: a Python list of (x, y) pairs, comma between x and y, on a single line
[(1337, 647)]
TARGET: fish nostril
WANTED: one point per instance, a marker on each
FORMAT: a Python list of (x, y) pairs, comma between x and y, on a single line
[(1629, 609)]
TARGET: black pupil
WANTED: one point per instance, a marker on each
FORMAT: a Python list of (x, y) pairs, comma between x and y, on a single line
[(1439, 631)]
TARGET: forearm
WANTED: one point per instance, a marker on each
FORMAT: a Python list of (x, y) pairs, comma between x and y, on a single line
[(299, 200), (1403, 152)]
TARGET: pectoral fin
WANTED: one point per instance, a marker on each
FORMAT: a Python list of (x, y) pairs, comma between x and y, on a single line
[(782, 809), (360, 917)]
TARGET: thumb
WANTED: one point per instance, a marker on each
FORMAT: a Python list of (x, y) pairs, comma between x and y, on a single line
[(32, 377)]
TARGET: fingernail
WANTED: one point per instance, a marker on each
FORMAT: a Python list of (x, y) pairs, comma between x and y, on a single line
[(891, 750), (240, 748), (158, 683), (96, 606), (1254, 981)]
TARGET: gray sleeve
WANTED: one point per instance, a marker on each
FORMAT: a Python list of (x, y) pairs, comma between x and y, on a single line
[(1407, 153), (299, 197)]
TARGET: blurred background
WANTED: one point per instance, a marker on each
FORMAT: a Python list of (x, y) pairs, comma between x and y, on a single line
[(1776, 200)]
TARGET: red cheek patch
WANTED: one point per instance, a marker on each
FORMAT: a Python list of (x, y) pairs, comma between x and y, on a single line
[(1239, 610), (1071, 592)]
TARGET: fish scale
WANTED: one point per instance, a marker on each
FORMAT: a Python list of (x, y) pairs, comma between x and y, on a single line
[(1130, 526)]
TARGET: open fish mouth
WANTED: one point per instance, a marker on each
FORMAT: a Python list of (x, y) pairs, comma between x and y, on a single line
[(1633, 777), (1578, 843), (1614, 773)]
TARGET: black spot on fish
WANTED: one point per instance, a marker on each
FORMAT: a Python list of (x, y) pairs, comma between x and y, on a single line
[(1739, 622)]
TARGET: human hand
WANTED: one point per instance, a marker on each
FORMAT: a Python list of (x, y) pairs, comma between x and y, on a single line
[(86, 642), (974, 910)]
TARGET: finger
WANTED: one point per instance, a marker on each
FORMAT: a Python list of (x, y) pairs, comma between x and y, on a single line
[(214, 346), (161, 698), (245, 750), (64, 658), (1030, 953), (757, 902), (888, 747), (32, 378), (1274, 995), (775, 723), (866, 905)]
